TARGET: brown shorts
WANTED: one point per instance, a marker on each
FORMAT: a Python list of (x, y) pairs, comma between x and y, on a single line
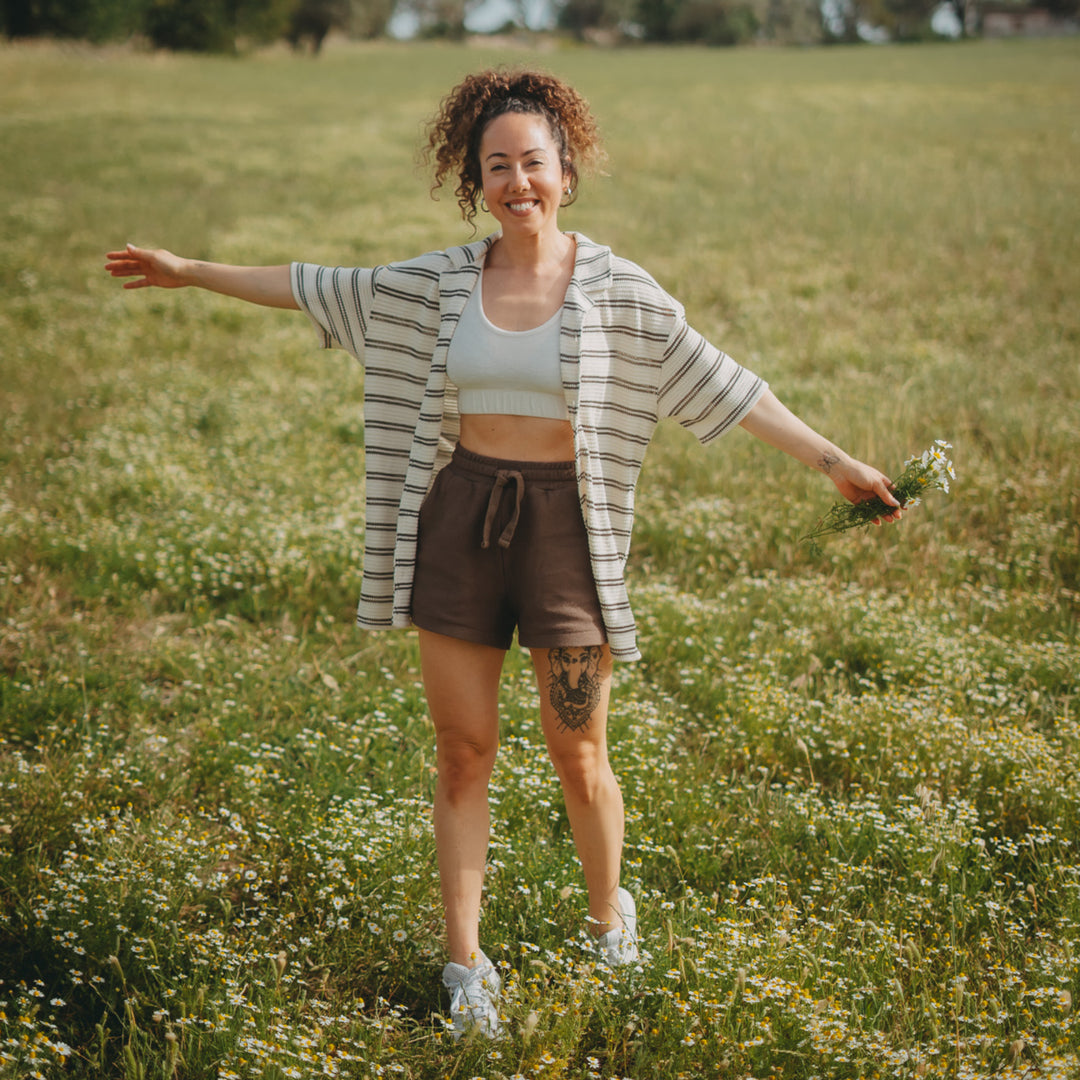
[(503, 544)]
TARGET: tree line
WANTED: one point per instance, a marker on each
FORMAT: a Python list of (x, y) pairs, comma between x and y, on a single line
[(196, 25), (228, 25)]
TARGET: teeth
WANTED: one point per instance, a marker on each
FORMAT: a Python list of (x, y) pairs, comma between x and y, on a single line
[(520, 205)]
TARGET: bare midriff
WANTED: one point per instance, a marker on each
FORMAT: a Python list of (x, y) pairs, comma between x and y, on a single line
[(518, 438)]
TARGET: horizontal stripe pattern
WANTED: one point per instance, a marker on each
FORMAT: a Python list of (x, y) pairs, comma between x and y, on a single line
[(628, 360)]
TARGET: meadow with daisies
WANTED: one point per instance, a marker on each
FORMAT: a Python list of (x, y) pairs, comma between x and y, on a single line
[(851, 772)]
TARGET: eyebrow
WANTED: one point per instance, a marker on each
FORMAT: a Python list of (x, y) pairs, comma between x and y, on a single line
[(503, 154)]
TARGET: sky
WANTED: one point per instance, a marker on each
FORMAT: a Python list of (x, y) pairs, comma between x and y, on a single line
[(488, 16)]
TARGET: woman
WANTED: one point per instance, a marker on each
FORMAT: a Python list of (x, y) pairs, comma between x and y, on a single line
[(511, 387)]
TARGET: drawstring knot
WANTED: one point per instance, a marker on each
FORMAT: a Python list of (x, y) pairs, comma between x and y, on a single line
[(502, 478)]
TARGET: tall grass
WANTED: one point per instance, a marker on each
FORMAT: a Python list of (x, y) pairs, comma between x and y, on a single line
[(851, 779)]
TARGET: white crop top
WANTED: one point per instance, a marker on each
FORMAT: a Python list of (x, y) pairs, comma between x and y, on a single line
[(511, 372)]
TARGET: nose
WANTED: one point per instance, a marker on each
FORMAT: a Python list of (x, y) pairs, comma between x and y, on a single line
[(519, 181)]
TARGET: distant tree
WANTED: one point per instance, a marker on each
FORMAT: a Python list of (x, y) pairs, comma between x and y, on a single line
[(789, 22), (1066, 9), (215, 25), (195, 25), (839, 21), (713, 22), (966, 12), (96, 20), (905, 20), (656, 18), (311, 20), (369, 18), (581, 16), (441, 18), (190, 25)]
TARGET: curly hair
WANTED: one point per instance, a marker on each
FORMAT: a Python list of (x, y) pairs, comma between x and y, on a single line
[(454, 134)]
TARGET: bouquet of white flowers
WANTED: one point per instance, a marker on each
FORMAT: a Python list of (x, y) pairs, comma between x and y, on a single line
[(932, 470)]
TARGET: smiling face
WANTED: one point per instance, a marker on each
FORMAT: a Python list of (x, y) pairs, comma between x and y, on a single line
[(522, 173)]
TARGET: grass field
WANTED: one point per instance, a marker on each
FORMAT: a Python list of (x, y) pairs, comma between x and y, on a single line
[(852, 779)]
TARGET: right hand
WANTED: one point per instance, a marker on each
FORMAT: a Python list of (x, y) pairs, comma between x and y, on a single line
[(153, 266)]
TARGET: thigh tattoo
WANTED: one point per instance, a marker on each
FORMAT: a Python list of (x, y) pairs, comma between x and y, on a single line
[(575, 684)]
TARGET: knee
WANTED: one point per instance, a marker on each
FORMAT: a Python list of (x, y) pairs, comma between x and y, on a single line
[(464, 763), (584, 774)]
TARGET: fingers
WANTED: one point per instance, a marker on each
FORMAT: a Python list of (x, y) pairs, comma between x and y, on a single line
[(896, 513), (869, 484), (125, 263), (886, 495), (860, 483), (143, 263), (874, 483), (124, 269), (131, 260), (885, 491)]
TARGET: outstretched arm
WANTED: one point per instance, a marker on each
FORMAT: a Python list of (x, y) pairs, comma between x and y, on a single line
[(266, 285), (771, 421)]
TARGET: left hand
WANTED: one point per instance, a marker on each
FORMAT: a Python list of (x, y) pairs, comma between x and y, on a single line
[(857, 482), (777, 425), (152, 266)]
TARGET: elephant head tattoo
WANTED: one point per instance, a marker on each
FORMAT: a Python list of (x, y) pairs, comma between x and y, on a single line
[(575, 684)]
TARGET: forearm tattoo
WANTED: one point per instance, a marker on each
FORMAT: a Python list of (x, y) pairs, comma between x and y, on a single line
[(827, 462), (575, 685)]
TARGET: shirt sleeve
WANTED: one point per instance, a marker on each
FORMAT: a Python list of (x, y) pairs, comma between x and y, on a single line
[(702, 388), (338, 302)]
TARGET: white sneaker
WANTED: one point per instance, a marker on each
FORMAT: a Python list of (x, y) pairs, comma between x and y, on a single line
[(473, 993), (619, 947)]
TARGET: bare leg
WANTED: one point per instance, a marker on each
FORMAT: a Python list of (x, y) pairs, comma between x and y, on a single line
[(575, 686), (461, 681)]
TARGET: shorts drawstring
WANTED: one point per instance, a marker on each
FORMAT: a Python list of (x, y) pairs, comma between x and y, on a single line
[(502, 478)]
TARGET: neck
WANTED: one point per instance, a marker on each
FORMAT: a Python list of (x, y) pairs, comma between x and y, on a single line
[(531, 252)]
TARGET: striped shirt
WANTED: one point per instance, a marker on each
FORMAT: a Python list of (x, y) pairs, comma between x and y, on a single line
[(628, 359)]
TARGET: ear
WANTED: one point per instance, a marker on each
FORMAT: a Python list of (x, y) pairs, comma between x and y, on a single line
[(569, 180)]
